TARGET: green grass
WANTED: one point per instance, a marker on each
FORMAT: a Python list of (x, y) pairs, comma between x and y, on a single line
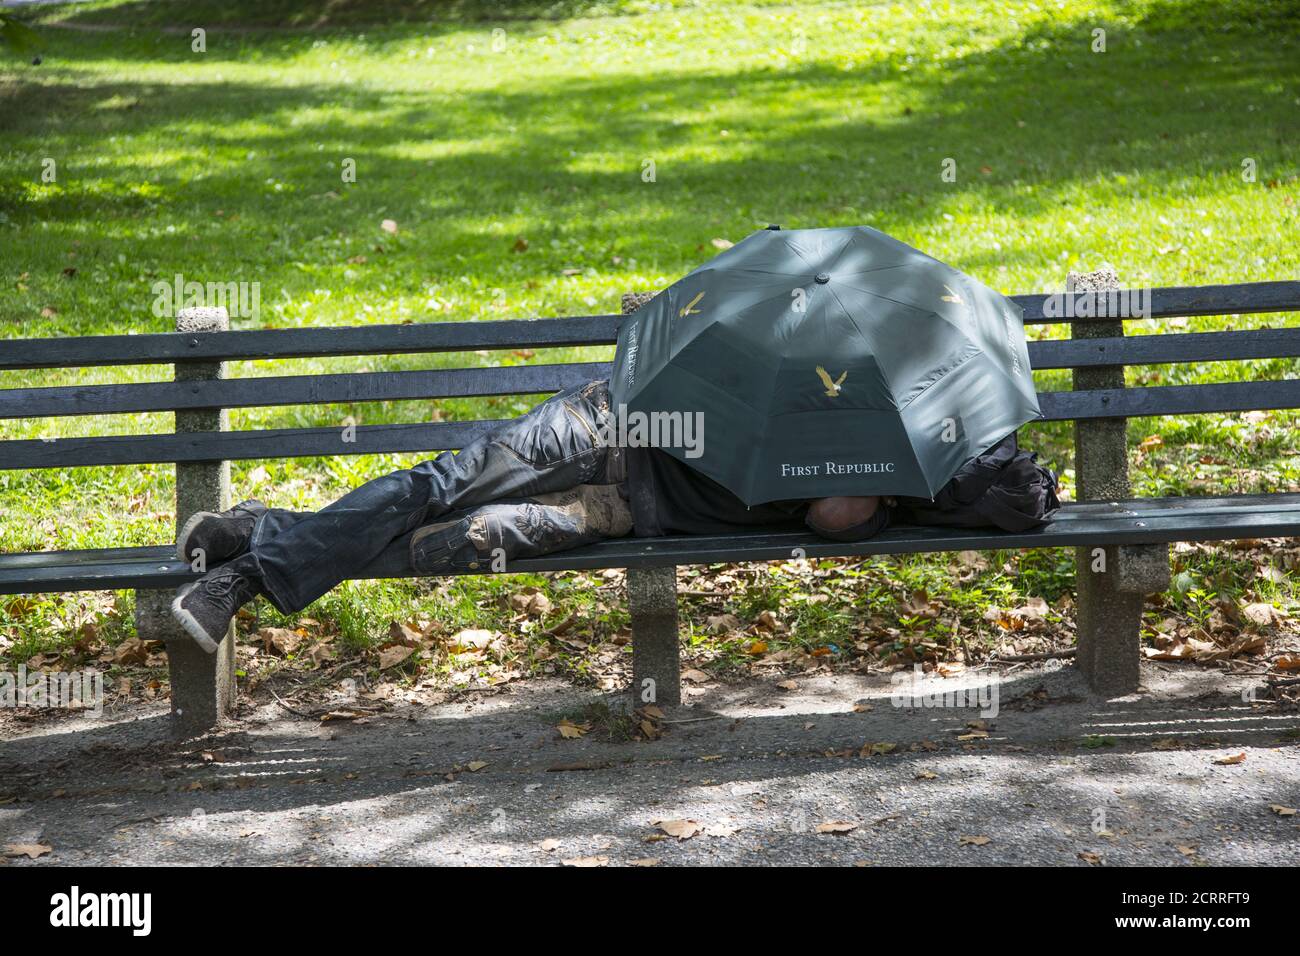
[(474, 125)]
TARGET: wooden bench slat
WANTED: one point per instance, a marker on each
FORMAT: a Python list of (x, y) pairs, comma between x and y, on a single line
[(1244, 298), (241, 445), (1170, 400), (341, 388), (1165, 349), (1134, 521), (440, 436), (420, 337), (168, 347)]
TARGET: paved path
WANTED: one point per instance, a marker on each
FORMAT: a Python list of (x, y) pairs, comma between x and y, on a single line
[(758, 776)]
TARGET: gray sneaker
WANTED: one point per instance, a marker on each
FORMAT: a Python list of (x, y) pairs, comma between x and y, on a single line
[(206, 607), (219, 535)]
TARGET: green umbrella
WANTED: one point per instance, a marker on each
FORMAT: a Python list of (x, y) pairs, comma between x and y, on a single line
[(825, 362)]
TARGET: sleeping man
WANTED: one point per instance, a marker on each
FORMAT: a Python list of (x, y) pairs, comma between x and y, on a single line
[(542, 483)]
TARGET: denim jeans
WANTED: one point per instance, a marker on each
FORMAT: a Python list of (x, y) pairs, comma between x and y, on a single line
[(554, 448)]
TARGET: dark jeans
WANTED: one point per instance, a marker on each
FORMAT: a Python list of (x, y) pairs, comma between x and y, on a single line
[(554, 448)]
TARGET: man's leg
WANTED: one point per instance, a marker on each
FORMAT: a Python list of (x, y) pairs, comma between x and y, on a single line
[(492, 535), (294, 558)]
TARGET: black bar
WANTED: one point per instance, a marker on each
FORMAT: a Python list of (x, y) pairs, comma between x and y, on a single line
[(431, 437), (1134, 521), (295, 390), (1177, 302), (1165, 349), (1169, 400), (167, 347), (241, 445)]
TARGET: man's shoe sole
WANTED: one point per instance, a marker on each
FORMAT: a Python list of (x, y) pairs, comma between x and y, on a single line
[(186, 620), (183, 538)]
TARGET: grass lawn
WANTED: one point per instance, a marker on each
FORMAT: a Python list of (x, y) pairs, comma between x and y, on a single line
[(476, 125)]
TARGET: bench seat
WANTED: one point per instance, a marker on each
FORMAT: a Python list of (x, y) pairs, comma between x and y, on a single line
[(1133, 521)]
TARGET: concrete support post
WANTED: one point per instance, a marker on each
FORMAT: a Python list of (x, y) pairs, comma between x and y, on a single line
[(1112, 581), (652, 600), (202, 685)]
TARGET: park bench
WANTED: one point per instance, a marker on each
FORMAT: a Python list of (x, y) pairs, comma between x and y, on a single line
[(1121, 543)]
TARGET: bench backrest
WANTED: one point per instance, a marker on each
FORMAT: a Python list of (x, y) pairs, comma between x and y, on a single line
[(193, 350)]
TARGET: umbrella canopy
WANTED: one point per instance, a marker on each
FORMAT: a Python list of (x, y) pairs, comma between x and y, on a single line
[(827, 362)]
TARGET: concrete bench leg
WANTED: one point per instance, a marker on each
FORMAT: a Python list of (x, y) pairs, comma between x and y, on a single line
[(1113, 581), (1113, 584), (656, 660), (202, 684)]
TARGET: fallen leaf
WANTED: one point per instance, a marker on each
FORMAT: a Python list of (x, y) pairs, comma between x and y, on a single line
[(927, 775), (696, 677), (1282, 811), (571, 731), (392, 656), (1093, 858), (682, 829), (787, 685), (973, 841), (876, 749), (836, 827), (474, 766), (279, 640), (549, 845), (1230, 761), (583, 861), (389, 226), (29, 850), (644, 861)]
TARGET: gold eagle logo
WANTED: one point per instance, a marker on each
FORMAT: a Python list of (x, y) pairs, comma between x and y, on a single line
[(689, 309), (832, 388)]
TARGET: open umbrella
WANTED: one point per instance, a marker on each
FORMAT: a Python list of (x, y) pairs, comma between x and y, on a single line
[(827, 362)]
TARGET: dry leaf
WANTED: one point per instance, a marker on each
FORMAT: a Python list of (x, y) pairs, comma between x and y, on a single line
[(836, 827), (279, 640), (392, 656), (787, 685), (696, 677), (389, 226), (571, 731), (1282, 811), (682, 829), (973, 841), (549, 845), (586, 861), (644, 861), (29, 850), (1231, 761), (474, 766), (1093, 858)]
